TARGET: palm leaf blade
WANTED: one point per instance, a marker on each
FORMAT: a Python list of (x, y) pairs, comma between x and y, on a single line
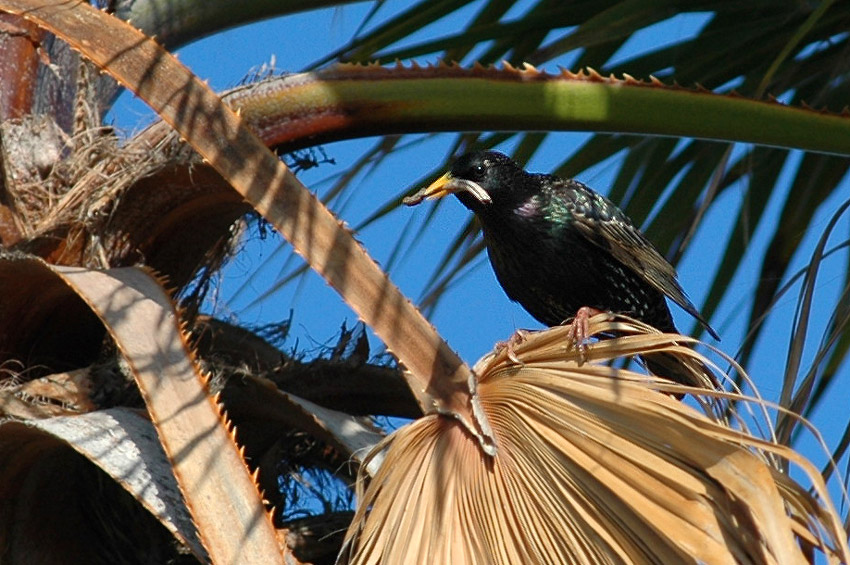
[(593, 467)]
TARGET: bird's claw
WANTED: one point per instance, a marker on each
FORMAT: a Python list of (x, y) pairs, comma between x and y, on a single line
[(508, 345), (580, 330)]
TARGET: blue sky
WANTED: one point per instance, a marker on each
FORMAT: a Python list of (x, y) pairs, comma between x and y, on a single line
[(475, 313)]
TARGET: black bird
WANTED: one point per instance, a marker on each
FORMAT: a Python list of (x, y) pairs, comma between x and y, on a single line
[(560, 249)]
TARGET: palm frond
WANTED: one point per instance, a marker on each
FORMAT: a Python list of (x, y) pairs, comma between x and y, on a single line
[(594, 465)]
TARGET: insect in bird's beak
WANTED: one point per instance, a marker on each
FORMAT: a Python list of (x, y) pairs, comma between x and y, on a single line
[(447, 184)]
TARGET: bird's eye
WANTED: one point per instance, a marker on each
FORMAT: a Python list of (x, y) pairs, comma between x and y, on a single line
[(478, 171)]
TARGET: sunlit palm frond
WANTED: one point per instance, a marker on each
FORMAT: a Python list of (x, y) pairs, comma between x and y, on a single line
[(594, 465)]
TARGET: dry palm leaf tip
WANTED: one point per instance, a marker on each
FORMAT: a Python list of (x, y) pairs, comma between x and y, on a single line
[(562, 251)]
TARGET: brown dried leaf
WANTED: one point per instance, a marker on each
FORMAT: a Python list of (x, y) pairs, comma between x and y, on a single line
[(220, 492), (593, 466)]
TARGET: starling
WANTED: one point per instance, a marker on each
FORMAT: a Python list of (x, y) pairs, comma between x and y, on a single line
[(561, 250)]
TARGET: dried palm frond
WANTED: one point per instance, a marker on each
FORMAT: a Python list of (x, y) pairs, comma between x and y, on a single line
[(594, 465)]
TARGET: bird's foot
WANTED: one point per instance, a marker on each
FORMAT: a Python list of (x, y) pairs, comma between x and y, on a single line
[(517, 338), (580, 329)]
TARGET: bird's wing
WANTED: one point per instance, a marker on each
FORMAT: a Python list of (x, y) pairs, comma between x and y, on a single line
[(606, 226)]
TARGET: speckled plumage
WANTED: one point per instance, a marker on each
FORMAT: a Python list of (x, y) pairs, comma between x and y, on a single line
[(557, 246)]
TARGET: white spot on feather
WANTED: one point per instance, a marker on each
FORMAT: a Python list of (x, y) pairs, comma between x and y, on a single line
[(529, 209)]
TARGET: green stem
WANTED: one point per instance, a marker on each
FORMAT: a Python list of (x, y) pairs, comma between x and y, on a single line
[(353, 101)]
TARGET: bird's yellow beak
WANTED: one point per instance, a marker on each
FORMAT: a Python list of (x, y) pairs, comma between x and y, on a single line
[(447, 184), (439, 188)]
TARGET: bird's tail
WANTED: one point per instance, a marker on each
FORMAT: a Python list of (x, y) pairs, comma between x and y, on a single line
[(683, 370)]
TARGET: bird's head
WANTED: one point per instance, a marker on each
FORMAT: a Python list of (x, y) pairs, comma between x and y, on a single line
[(481, 180)]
